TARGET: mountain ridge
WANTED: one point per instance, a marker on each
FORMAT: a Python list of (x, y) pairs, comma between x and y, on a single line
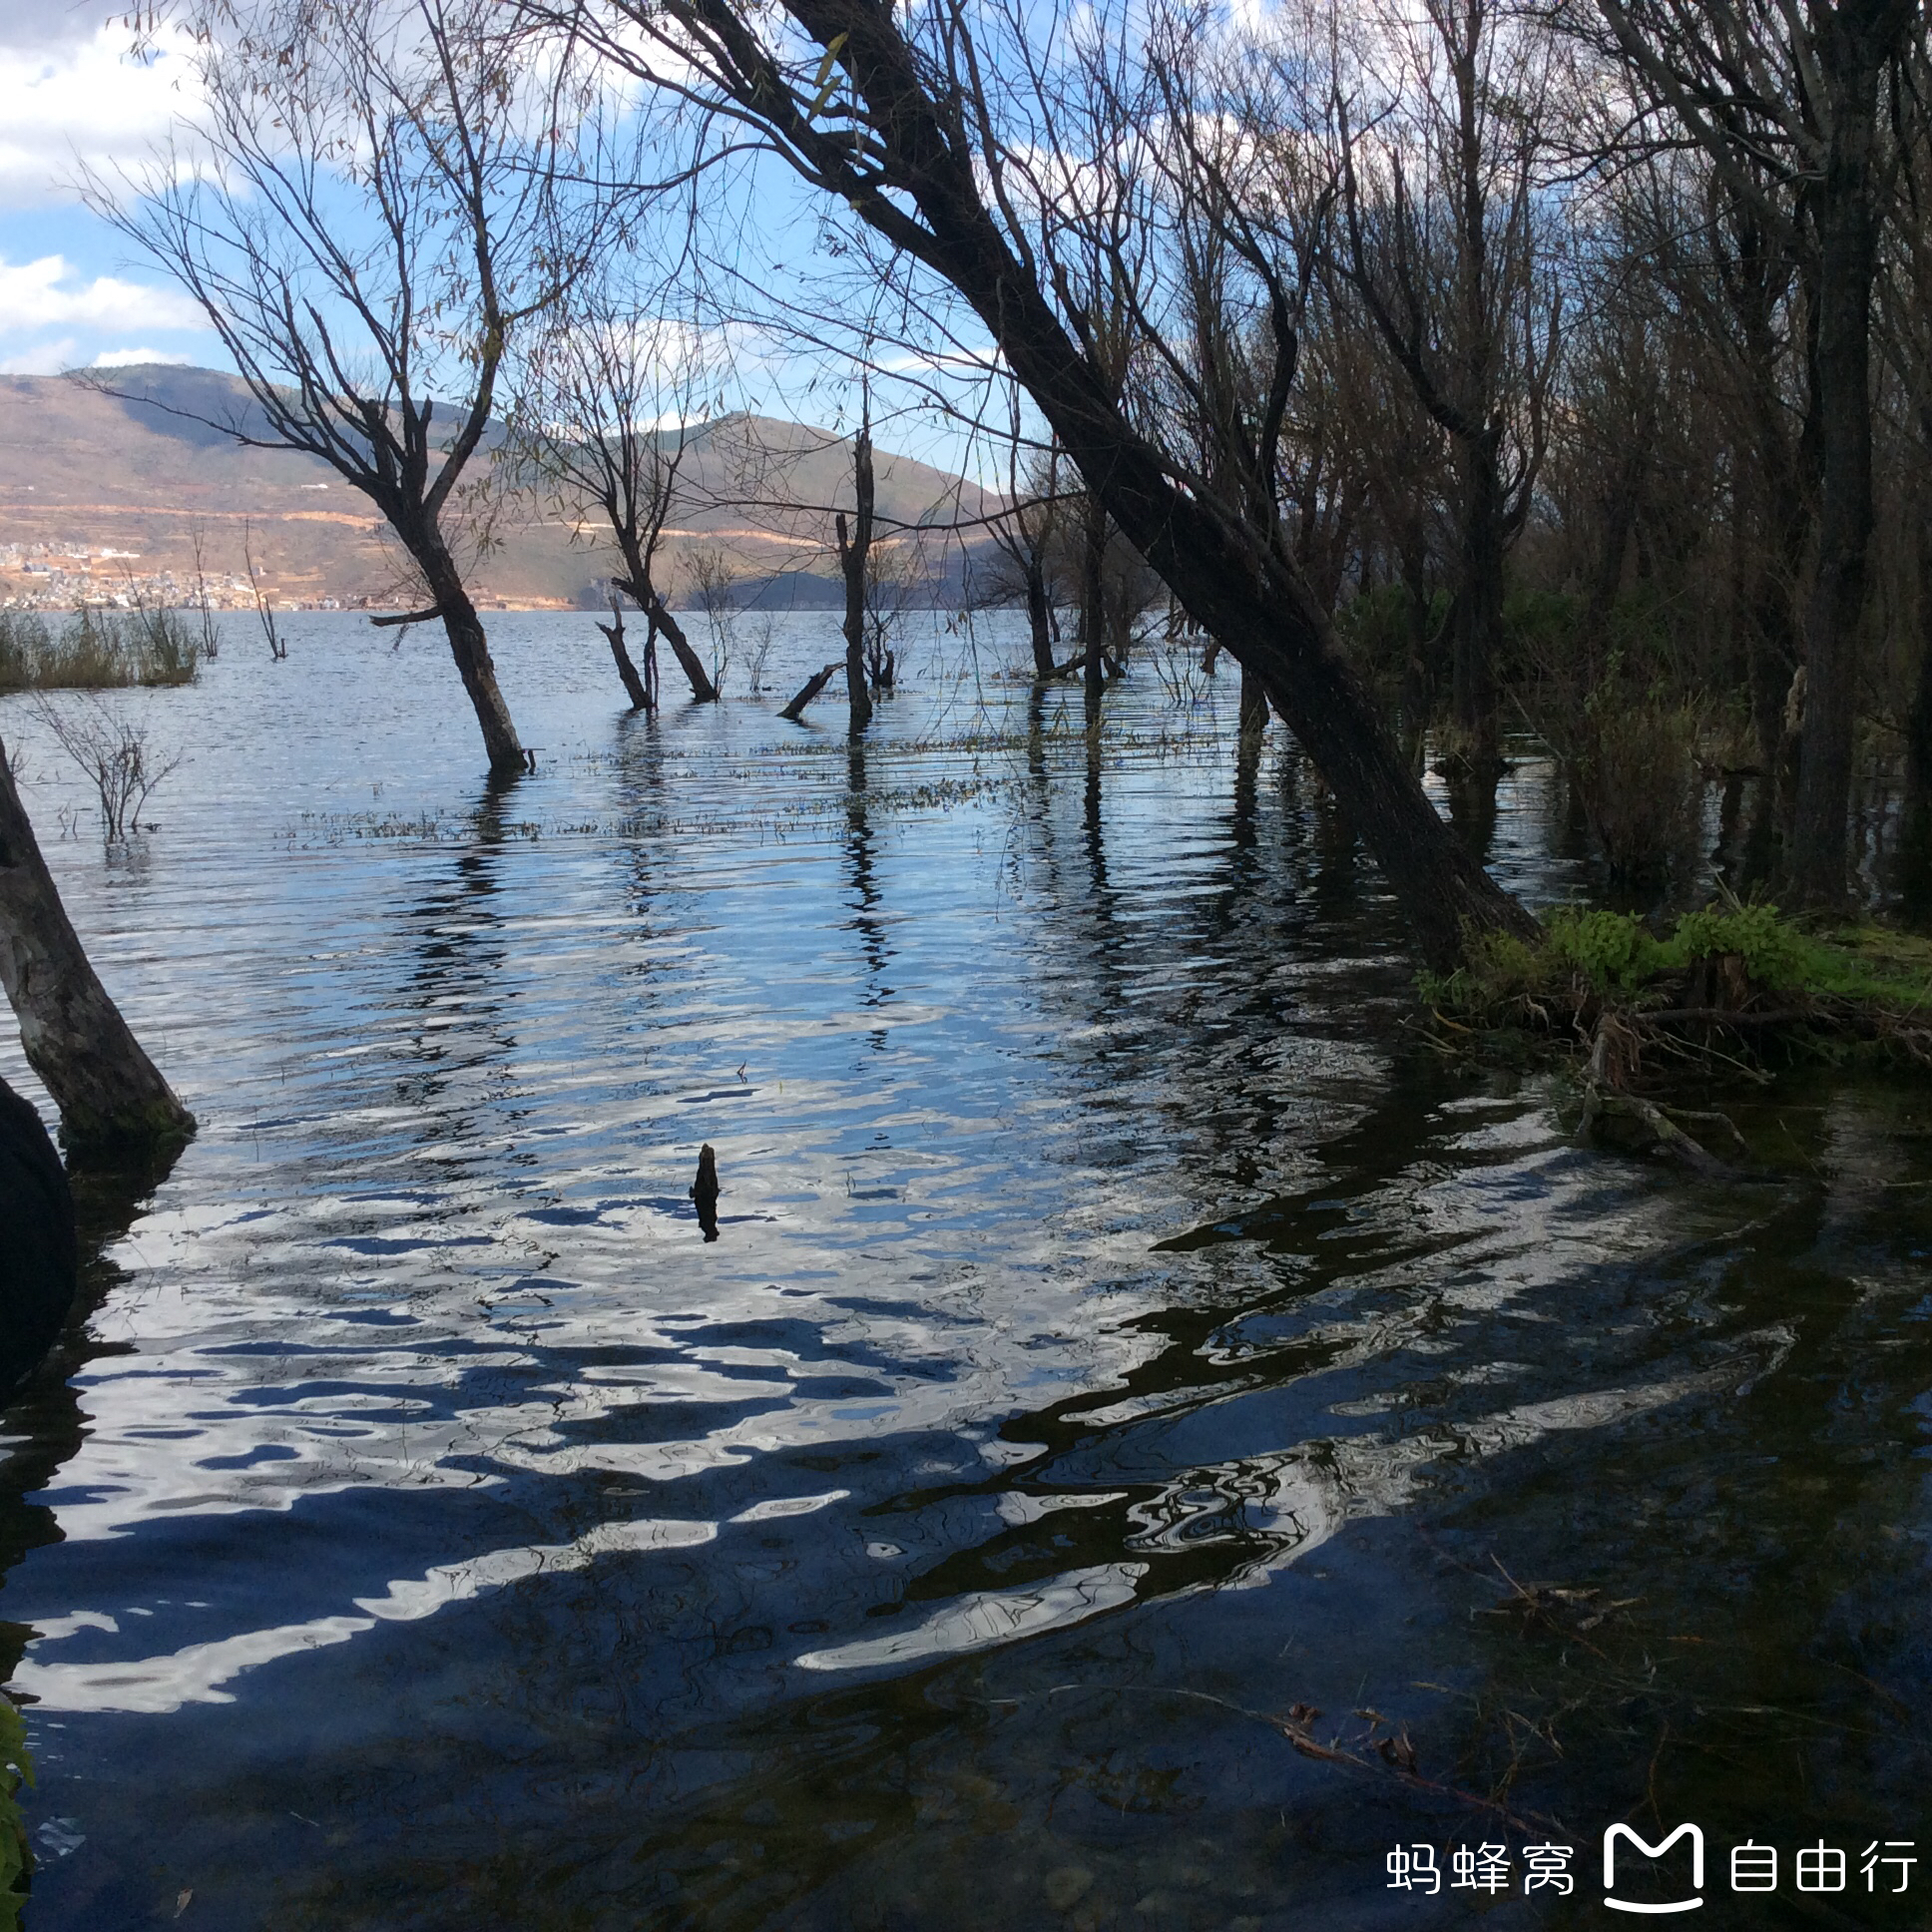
[(119, 472)]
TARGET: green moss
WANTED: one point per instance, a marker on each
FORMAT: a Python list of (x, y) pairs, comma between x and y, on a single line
[(16, 1769), (1585, 954)]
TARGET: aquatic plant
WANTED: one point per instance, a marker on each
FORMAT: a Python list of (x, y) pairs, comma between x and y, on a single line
[(98, 650), (16, 1769)]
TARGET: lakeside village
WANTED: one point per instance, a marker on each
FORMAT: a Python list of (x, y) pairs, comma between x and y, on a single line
[(55, 576)]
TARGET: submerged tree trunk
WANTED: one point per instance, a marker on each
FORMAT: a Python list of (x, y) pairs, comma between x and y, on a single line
[(1254, 704), (110, 1095), (1847, 231), (854, 558), (1477, 618), (1038, 618), (644, 593), (1093, 597), (634, 688), (663, 625), (471, 648)]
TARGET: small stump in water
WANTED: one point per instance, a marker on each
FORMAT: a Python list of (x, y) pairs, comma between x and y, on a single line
[(704, 1190)]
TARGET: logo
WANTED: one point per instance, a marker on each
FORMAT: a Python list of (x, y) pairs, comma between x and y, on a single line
[(1642, 1851)]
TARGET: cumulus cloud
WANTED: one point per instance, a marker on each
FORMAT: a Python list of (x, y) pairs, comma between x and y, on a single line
[(46, 293), (80, 102), (127, 359)]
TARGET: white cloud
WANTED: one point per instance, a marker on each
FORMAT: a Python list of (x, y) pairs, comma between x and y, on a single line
[(85, 104), (42, 359), (127, 359), (46, 293)]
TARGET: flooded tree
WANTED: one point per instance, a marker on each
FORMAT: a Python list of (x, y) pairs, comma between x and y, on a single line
[(1798, 99), (113, 1101), (963, 166), (372, 227), (608, 397), (1444, 243), (854, 539)]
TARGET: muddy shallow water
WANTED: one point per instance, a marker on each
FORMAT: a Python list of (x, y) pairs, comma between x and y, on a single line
[(1151, 1437)]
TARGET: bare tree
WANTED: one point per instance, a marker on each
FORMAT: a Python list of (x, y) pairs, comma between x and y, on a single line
[(1444, 243), (1026, 538), (112, 749), (713, 575), (608, 400), (374, 229), (263, 610), (1787, 99), (950, 132), (210, 635)]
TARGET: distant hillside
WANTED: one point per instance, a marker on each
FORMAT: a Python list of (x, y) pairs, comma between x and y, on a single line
[(83, 472)]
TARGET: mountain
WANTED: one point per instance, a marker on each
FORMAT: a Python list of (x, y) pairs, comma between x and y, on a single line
[(118, 476)]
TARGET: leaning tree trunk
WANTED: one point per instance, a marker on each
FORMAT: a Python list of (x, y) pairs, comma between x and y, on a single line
[(111, 1099), (636, 689), (650, 600), (663, 625), (471, 648), (1238, 584), (1847, 251)]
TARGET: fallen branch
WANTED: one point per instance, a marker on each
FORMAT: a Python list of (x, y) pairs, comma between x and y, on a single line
[(812, 687)]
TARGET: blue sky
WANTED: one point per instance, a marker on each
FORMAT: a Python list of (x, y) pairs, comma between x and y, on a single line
[(68, 294), (73, 293)]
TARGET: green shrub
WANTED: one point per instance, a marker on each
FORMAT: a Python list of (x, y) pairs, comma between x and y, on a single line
[(1636, 770), (1612, 956)]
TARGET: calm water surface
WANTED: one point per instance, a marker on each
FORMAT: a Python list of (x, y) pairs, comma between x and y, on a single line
[(1151, 1437)]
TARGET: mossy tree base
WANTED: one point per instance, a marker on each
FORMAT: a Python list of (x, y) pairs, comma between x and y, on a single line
[(1733, 986)]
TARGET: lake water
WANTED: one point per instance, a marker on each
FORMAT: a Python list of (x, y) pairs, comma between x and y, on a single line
[(1151, 1437)]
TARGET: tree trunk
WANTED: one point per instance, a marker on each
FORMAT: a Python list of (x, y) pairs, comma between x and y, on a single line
[(1038, 617), (634, 688), (41, 1272), (644, 594), (111, 1099), (855, 555), (810, 689), (471, 650), (1254, 704), (663, 625), (1918, 722), (1846, 224), (1093, 596), (1477, 616)]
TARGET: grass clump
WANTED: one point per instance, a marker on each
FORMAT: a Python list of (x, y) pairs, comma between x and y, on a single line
[(1727, 963), (98, 650)]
